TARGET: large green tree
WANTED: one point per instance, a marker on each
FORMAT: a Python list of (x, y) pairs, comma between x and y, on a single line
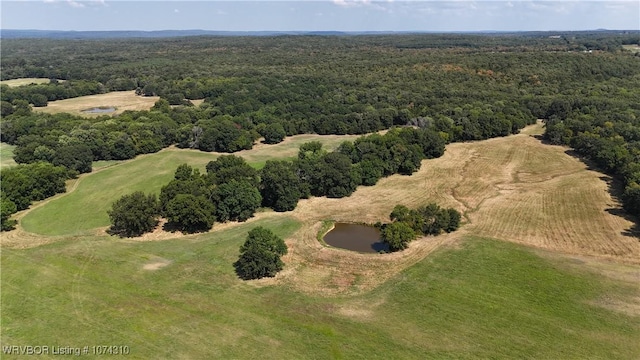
[(189, 213), (397, 235), (7, 208), (280, 185), (260, 254), (134, 214), (231, 167), (236, 200)]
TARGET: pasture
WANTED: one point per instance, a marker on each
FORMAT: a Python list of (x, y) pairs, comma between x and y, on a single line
[(84, 207), (6, 155), (120, 100), (541, 268), (181, 299), (633, 48), (25, 81)]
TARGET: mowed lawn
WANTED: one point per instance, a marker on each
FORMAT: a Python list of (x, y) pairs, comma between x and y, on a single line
[(85, 207), (482, 299), (6, 155)]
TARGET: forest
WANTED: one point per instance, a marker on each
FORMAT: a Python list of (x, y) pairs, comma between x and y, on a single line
[(430, 89)]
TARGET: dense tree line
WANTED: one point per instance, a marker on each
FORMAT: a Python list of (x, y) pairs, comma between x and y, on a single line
[(231, 190), (24, 184), (606, 131), (449, 87), (192, 202), (40, 94)]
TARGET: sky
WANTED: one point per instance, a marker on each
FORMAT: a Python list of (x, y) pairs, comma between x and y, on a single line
[(321, 15)]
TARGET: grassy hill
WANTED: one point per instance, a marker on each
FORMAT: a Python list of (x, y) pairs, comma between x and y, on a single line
[(568, 290), (181, 299)]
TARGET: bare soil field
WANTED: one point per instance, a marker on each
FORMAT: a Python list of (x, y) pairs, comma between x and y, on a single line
[(120, 100)]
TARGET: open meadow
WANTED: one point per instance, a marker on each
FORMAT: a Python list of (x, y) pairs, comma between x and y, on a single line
[(6, 155), (25, 81), (543, 267), (120, 100)]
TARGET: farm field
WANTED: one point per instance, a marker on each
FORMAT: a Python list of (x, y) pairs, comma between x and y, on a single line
[(562, 285), (6, 155), (25, 81), (633, 48), (120, 100)]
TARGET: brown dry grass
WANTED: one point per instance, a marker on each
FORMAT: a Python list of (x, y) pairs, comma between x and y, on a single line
[(121, 100), (25, 81), (514, 188)]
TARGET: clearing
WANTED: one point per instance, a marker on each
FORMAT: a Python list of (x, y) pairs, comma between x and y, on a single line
[(84, 207), (572, 289), (26, 81), (6, 155), (514, 188), (120, 100)]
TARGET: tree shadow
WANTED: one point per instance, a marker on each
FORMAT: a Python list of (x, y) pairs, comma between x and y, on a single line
[(171, 227), (174, 227), (615, 187)]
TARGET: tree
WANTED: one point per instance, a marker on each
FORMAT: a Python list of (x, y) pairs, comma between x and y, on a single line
[(631, 199), (23, 184), (231, 167), (454, 220), (260, 255), (7, 208), (236, 200), (335, 176), (280, 185), (190, 213), (273, 133), (134, 214), (76, 157), (39, 100), (397, 235)]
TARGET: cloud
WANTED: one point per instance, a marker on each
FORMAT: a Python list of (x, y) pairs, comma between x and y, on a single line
[(176, 11), (75, 4), (351, 3)]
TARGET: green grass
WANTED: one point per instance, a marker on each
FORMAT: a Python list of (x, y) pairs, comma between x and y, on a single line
[(487, 299), (86, 207), (6, 155)]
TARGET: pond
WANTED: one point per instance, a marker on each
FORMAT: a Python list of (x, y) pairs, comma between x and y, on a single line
[(100, 110), (361, 238)]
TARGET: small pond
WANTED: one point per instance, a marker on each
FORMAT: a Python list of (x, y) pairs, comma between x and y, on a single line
[(361, 238), (99, 110)]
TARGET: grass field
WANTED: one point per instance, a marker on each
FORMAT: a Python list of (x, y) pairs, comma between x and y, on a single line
[(25, 81), (85, 206), (561, 281), (6, 155), (181, 299), (632, 48), (120, 100)]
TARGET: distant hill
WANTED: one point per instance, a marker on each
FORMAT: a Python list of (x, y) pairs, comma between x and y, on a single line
[(60, 34)]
